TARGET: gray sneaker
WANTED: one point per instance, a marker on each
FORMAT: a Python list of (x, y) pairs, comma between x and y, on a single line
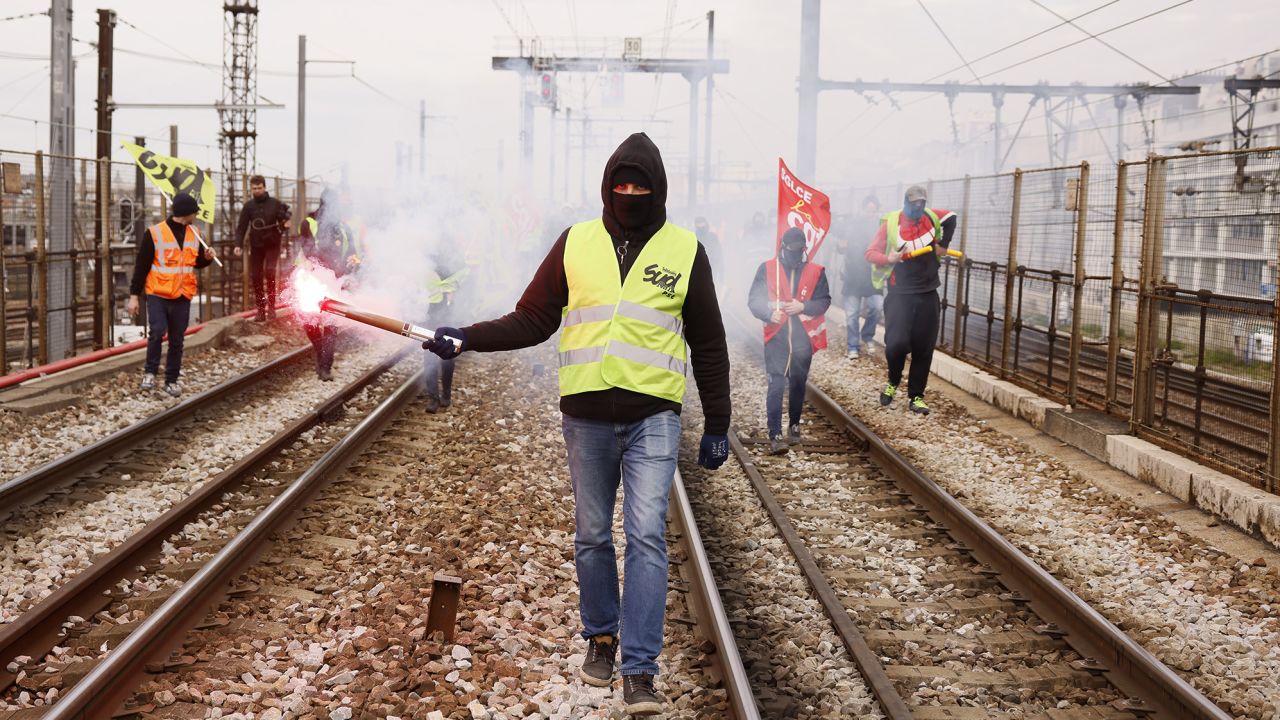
[(641, 698), (148, 382), (793, 434), (777, 445), (597, 667), (173, 388), (853, 354)]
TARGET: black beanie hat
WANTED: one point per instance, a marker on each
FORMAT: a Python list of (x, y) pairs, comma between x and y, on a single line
[(184, 205)]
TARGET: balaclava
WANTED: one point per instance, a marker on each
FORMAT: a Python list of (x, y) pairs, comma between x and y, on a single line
[(793, 245), (632, 211)]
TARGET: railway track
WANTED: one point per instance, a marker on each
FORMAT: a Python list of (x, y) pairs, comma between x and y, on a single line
[(946, 618), (96, 471), (365, 471)]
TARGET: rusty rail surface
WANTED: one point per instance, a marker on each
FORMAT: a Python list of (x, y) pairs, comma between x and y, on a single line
[(1129, 666), (35, 484), (38, 629), (100, 693), (894, 707), (713, 622)]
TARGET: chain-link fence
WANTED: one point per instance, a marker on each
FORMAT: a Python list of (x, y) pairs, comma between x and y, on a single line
[(68, 259), (1146, 290)]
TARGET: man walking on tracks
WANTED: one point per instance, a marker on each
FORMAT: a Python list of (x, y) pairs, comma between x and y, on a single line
[(165, 269), (791, 297), (326, 241), (911, 306), (631, 289), (264, 219), (862, 299)]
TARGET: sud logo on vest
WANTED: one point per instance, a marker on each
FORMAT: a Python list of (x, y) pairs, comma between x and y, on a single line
[(662, 278)]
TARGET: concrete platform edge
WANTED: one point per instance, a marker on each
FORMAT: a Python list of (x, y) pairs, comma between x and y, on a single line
[(1230, 500), (26, 395)]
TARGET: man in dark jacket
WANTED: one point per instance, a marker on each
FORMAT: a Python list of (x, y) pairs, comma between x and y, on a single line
[(790, 296), (912, 305), (861, 297), (326, 241), (631, 288), (264, 219)]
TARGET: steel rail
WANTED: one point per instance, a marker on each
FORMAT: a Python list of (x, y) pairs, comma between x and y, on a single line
[(891, 702), (38, 629), (113, 679), (60, 472), (1130, 666), (710, 609)]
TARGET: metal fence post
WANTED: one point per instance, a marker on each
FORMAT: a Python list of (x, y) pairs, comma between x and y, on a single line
[(42, 269), (960, 309), (4, 286), (1117, 287), (1148, 286), (107, 299), (1006, 326), (1077, 295), (1273, 437)]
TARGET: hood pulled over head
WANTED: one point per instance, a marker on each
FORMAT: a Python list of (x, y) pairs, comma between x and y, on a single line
[(635, 217), (791, 249)]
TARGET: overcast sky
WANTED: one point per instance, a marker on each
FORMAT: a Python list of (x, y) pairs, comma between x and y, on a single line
[(440, 52)]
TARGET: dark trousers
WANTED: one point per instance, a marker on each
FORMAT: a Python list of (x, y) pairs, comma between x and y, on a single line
[(437, 375), (165, 315), (262, 270), (793, 381), (910, 327), (324, 338)]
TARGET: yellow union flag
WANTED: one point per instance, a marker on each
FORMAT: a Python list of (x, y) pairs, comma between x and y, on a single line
[(175, 175)]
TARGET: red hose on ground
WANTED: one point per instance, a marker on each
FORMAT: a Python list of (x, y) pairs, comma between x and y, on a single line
[(54, 367)]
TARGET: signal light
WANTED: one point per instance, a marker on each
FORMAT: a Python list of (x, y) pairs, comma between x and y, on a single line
[(548, 89)]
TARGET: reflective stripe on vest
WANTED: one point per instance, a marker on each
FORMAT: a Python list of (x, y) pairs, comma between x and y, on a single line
[(880, 273), (173, 266), (625, 335)]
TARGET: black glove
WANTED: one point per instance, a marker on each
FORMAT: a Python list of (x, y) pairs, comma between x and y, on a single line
[(713, 451), (443, 347)]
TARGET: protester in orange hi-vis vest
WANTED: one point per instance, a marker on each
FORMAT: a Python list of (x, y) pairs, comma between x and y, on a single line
[(168, 257), (791, 297)]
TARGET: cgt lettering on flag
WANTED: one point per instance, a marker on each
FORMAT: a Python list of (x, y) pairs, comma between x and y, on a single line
[(804, 207)]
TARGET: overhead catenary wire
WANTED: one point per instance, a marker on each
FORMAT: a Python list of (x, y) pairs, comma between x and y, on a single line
[(1104, 43), (1024, 40), (1037, 57), (947, 37)]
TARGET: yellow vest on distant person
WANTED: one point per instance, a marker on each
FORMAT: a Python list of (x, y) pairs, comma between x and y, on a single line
[(625, 335)]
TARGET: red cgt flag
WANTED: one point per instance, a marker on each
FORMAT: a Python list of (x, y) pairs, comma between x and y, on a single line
[(802, 207)]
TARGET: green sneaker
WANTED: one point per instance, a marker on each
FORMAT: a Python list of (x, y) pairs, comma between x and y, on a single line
[(918, 406), (886, 395)]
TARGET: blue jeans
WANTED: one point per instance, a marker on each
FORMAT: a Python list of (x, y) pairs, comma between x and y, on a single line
[(642, 455), (171, 316), (872, 308)]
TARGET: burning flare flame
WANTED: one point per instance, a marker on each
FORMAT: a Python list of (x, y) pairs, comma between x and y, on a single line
[(308, 290)]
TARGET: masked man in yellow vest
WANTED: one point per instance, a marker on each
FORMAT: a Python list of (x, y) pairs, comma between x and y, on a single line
[(912, 306), (165, 269), (627, 291)]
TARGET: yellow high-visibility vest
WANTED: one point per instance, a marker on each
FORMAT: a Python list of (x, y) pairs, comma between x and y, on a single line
[(893, 240), (625, 335)]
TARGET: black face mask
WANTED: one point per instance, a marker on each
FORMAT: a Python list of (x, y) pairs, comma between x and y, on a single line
[(632, 211), (792, 258)]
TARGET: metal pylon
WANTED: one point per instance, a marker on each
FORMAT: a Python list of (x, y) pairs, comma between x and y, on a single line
[(239, 122)]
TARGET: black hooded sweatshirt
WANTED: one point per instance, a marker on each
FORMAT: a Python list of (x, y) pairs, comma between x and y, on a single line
[(538, 313)]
